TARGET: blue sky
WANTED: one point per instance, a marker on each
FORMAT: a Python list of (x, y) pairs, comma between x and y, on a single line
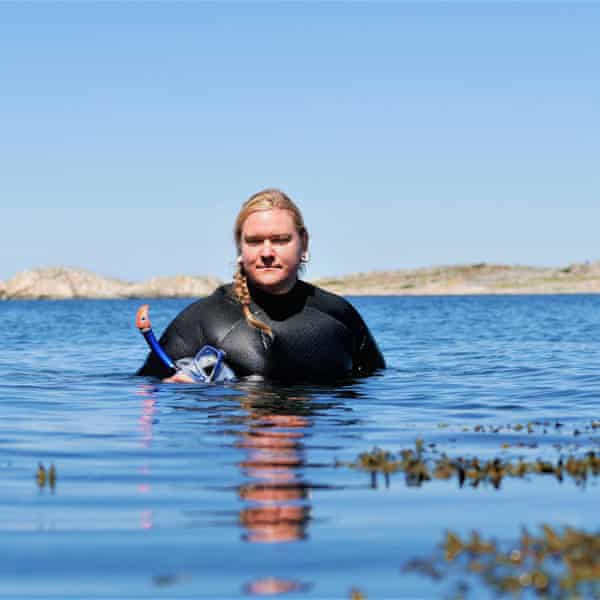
[(410, 134)]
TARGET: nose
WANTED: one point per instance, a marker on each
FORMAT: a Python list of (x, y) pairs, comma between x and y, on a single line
[(267, 249), (267, 252)]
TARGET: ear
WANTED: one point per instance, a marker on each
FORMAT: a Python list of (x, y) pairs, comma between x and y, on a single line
[(305, 241)]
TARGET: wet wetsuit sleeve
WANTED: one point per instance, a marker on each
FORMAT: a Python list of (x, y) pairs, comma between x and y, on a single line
[(367, 356), (176, 344)]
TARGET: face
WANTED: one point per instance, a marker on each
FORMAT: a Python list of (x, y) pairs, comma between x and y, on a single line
[(271, 249)]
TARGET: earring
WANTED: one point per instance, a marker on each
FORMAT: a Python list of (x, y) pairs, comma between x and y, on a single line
[(305, 257), (239, 260)]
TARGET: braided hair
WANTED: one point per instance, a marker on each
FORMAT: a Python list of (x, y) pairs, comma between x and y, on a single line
[(242, 293)]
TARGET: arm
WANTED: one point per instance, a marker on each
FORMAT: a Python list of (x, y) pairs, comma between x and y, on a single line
[(367, 356), (183, 337), (154, 366)]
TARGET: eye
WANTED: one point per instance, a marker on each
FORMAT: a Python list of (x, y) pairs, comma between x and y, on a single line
[(281, 240)]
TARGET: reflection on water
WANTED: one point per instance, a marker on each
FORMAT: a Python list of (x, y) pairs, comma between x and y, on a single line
[(277, 498), (146, 423), (270, 586), (276, 494), (148, 413)]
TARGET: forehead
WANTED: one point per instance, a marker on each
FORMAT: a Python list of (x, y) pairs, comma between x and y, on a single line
[(269, 222)]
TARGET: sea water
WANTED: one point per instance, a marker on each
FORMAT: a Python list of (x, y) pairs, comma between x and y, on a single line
[(113, 485)]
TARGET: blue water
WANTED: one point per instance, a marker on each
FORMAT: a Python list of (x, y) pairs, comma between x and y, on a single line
[(178, 491)]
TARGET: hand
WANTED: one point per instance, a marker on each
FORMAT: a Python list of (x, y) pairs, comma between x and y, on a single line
[(179, 377)]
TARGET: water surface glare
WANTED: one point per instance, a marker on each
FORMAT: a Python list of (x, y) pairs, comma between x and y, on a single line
[(179, 491)]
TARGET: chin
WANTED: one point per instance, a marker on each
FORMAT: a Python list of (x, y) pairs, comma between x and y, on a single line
[(272, 282)]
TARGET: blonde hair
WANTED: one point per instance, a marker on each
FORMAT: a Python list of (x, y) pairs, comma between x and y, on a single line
[(264, 200)]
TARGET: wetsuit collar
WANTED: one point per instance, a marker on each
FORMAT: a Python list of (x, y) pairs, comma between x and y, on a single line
[(280, 306)]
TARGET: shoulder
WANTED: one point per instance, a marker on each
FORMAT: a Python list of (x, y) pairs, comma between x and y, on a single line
[(332, 304), (366, 356), (219, 300), (222, 295)]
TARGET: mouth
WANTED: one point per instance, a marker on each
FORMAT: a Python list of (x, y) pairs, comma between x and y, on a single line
[(270, 268)]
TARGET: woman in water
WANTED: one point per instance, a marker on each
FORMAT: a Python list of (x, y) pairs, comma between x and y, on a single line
[(268, 322)]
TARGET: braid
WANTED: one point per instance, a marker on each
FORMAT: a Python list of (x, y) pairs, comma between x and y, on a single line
[(242, 293)]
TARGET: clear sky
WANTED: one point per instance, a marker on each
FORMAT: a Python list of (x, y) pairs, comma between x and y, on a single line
[(410, 134)]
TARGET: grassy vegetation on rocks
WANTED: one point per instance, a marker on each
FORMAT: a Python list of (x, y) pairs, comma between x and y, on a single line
[(477, 278)]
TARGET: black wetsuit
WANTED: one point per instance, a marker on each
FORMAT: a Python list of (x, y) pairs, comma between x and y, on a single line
[(316, 335)]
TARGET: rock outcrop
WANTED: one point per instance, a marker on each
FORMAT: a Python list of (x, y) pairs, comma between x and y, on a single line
[(177, 286), (64, 283), (478, 278)]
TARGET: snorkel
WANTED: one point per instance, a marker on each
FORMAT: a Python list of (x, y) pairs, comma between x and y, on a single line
[(208, 366), (142, 322)]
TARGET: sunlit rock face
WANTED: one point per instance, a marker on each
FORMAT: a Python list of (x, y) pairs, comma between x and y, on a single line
[(60, 283), (175, 286), (64, 283), (475, 278)]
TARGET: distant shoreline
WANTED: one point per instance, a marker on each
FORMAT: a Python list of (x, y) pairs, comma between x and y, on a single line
[(58, 283), (471, 279)]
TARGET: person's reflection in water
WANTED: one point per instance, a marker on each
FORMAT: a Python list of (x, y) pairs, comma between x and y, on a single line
[(277, 496)]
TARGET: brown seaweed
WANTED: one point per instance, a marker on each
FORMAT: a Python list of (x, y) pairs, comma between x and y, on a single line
[(474, 471), (553, 564)]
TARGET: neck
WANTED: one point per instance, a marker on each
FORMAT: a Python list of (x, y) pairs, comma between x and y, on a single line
[(274, 291), (282, 305)]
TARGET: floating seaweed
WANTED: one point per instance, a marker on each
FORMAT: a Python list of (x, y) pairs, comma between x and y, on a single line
[(474, 471), (166, 580), (552, 565), (529, 428), (45, 477)]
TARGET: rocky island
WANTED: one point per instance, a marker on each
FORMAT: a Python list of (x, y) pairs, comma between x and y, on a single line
[(60, 283), (479, 278)]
